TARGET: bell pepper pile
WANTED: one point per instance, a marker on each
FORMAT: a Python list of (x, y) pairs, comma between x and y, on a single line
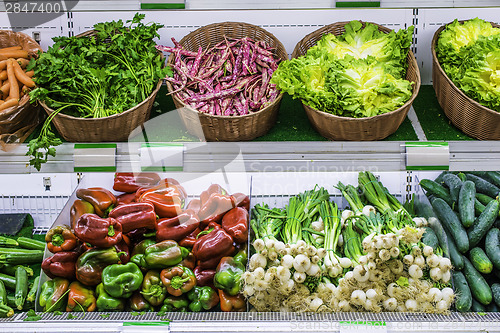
[(147, 248)]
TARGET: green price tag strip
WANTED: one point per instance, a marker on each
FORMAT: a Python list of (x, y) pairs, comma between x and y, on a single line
[(163, 6), (357, 4), (145, 326), (427, 156), (355, 326), (162, 157), (94, 157)]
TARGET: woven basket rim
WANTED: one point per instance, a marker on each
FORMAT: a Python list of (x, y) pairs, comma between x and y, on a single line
[(445, 76), (411, 56), (62, 115), (208, 27)]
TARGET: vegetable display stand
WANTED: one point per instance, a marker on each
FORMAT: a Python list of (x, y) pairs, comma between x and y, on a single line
[(228, 128), (116, 127), (340, 128), (17, 122), (468, 115)]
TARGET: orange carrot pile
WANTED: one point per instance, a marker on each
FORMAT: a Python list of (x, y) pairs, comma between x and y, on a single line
[(15, 82)]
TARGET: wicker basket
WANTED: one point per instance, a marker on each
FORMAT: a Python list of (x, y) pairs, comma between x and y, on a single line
[(468, 115), (113, 128), (356, 129), (228, 128)]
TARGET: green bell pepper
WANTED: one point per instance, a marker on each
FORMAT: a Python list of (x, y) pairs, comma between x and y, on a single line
[(175, 304), (122, 280), (163, 254), (228, 275), (202, 298), (105, 302), (53, 295), (241, 257), (153, 289), (138, 251)]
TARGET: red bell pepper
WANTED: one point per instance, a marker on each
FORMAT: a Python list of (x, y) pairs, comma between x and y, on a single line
[(130, 182), (214, 244), (231, 303), (189, 261), (235, 222), (242, 200), (81, 298), (195, 205), (166, 182), (123, 247), (167, 198), (97, 231), (215, 202), (125, 198), (190, 239), (60, 238), (213, 262), (204, 277), (102, 199), (214, 188), (135, 215), (79, 208), (178, 227), (61, 264)]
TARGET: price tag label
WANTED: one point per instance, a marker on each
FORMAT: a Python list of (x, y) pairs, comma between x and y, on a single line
[(427, 156), (143, 326), (163, 4), (358, 326), (161, 157), (94, 157)]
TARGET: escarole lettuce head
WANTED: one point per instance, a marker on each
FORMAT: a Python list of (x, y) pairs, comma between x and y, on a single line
[(358, 74)]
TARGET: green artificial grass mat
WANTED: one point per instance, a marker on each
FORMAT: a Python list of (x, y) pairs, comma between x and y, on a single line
[(431, 116)]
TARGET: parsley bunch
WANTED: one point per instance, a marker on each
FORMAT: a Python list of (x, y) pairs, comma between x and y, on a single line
[(98, 76)]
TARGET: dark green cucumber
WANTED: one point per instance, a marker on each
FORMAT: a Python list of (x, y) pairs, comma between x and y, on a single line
[(439, 191), (33, 290), (9, 281), (483, 223), (30, 243), (21, 287), (491, 176), (456, 258), (483, 186), (8, 242), (454, 184), (492, 247), (466, 203), (3, 293), (478, 207), (480, 260), (477, 307), (477, 284), (463, 301), (495, 289), (462, 176), (492, 307), (483, 198), (22, 258), (439, 179), (451, 224), (430, 238)]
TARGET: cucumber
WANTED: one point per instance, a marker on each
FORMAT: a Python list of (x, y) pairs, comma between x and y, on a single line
[(495, 289), (478, 285), (483, 186), (430, 238), (477, 307), (491, 176), (466, 203), (454, 184), (480, 260), (478, 207), (483, 223), (483, 198), (492, 307), (463, 301), (462, 176), (439, 179), (492, 247), (457, 260), (452, 224), (439, 191)]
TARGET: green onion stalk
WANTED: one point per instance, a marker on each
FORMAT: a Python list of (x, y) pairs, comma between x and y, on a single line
[(330, 215), (351, 195), (353, 248), (267, 223)]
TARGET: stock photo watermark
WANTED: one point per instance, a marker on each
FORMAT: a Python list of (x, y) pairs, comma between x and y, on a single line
[(24, 14)]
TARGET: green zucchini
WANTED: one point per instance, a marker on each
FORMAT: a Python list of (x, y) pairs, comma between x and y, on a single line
[(466, 203), (454, 184), (483, 186), (495, 289), (22, 258), (21, 287), (8, 242), (430, 238), (3, 293), (456, 258), (9, 281), (480, 260), (451, 224), (6, 311), (11, 269), (483, 223), (463, 301), (8, 250), (30, 243), (492, 247), (33, 290), (477, 307), (477, 284), (439, 191)]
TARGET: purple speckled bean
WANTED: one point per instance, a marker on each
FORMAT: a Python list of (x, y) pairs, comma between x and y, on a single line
[(175, 50), (197, 60), (214, 95), (173, 80), (217, 108), (262, 64), (237, 106), (244, 104)]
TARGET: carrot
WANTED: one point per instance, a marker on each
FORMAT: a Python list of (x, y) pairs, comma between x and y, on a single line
[(14, 85), (8, 104), (30, 73), (3, 75), (4, 90), (14, 54), (21, 75), (3, 65), (22, 62), (11, 48), (3, 57)]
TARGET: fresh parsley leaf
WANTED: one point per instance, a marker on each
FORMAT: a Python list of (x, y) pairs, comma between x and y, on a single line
[(32, 316), (104, 315)]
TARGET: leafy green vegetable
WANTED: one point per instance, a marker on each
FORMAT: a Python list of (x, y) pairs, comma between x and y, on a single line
[(32, 316), (105, 315), (94, 77), (357, 74)]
